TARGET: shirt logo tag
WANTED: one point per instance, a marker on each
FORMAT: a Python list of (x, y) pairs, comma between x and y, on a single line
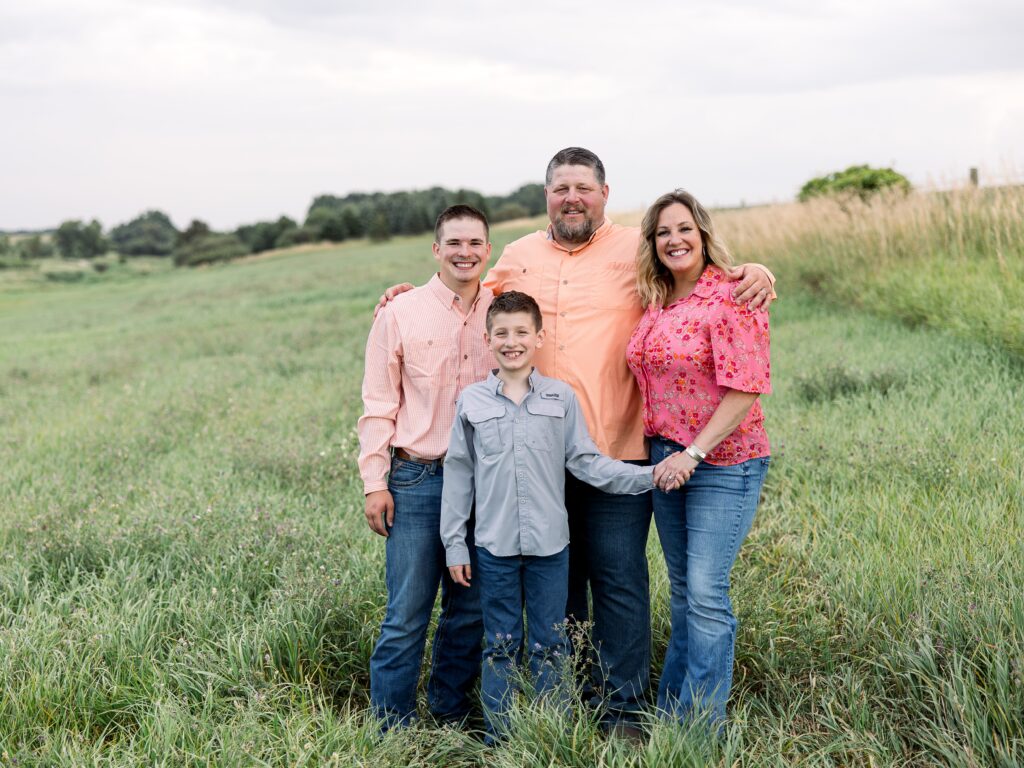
[(550, 396)]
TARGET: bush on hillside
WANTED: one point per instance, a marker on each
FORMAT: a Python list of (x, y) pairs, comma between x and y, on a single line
[(264, 235), (196, 229), (378, 230), (328, 224), (860, 180), (34, 247), (151, 234), (510, 211), (76, 240), (208, 249), (297, 236)]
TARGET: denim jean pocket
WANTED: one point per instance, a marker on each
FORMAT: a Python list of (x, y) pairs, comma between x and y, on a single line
[(406, 474)]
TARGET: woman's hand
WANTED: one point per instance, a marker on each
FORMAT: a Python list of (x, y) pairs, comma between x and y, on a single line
[(674, 471)]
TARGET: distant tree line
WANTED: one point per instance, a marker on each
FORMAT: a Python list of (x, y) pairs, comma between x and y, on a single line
[(377, 216)]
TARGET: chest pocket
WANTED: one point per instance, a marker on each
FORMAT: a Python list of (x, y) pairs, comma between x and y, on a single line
[(426, 358), (613, 286), (544, 430), (486, 425)]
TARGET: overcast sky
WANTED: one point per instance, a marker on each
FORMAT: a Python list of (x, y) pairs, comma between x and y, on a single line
[(233, 111)]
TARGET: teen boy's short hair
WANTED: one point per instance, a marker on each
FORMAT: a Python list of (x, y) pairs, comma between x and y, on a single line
[(514, 301), (460, 211)]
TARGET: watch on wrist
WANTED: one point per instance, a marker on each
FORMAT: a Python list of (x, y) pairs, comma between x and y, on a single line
[(695, 453)]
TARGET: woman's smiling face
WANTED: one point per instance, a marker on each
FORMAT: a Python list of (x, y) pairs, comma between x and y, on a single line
[(679, 244)]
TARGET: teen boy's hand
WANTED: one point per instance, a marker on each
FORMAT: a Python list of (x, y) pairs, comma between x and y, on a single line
[(461, 574), (380, 512)]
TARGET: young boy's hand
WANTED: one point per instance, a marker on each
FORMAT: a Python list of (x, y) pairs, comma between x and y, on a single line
[(671, 474), (461, 574)]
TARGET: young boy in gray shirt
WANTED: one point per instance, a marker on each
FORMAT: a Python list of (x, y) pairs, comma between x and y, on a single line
[(513, 437)]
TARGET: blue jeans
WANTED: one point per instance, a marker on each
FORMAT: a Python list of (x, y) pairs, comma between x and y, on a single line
[(506, 584), (415, 566), (608, 549), (701, 527)]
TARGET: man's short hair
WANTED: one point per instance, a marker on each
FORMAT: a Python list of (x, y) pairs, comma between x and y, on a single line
[(514, 301), (460, 211), (576, 156)]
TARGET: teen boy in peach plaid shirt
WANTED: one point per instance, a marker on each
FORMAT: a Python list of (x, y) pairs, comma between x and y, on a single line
[(423, 349)]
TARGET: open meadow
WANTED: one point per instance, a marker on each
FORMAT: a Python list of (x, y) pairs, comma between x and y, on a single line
[(186, 576)]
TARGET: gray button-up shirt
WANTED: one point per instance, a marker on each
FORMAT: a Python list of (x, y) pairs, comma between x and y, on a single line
[(512, 459)]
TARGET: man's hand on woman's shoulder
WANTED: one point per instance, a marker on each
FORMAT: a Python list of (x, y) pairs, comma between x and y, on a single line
[(756, 286), (389, 294)]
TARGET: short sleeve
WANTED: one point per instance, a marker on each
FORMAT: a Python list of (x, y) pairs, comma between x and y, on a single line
[(741, 348)]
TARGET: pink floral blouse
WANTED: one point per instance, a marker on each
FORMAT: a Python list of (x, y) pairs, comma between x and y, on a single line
[(687, 355)]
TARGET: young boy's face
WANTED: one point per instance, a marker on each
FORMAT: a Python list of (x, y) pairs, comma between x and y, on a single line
[(513, 338)]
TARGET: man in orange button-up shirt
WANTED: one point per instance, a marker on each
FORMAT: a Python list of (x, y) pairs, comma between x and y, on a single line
[(582, 272)]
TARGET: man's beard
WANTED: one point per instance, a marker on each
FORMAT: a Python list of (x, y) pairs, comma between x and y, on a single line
[(574, 233)]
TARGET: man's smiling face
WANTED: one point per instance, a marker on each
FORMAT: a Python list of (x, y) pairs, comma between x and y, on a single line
[(575, 203), (462, 252)]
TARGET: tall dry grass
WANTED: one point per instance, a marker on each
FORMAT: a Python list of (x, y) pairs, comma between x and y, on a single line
[(951, 260)]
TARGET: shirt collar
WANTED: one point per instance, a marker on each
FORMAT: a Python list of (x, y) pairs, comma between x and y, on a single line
[(446, 295), (495, 385), (708, 282)]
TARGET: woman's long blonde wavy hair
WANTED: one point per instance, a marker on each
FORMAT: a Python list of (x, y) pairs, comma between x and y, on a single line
[(654, 282)]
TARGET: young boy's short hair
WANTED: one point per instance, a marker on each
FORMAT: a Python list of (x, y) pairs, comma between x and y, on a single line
[(515, 301)]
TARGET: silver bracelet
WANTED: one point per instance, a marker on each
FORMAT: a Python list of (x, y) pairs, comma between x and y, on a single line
[(695, 453)]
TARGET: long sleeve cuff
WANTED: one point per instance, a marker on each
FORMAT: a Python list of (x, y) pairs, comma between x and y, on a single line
[(370, 486), (456, 554)]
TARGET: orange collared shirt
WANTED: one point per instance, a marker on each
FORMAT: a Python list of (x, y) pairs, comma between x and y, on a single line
[(422, 352), (590, 306)]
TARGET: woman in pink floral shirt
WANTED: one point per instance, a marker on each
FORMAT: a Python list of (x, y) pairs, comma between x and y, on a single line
[(701, 361)]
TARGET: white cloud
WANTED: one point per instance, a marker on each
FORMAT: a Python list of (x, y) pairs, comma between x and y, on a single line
[(232, 111)]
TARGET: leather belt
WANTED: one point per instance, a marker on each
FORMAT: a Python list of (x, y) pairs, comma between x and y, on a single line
[(403, 454)]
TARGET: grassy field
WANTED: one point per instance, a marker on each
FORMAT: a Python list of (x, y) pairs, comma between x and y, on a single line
[(187, 578)]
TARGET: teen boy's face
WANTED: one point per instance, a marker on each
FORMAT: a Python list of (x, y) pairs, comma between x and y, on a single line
[(462, 252), (513, 338)]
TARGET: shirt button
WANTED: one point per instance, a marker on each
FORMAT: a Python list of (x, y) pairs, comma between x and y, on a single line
[(561, 346), (565, 282), (465, 357), (562, 314)]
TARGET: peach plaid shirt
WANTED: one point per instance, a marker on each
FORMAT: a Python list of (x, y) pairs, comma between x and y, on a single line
[(420, 354)]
